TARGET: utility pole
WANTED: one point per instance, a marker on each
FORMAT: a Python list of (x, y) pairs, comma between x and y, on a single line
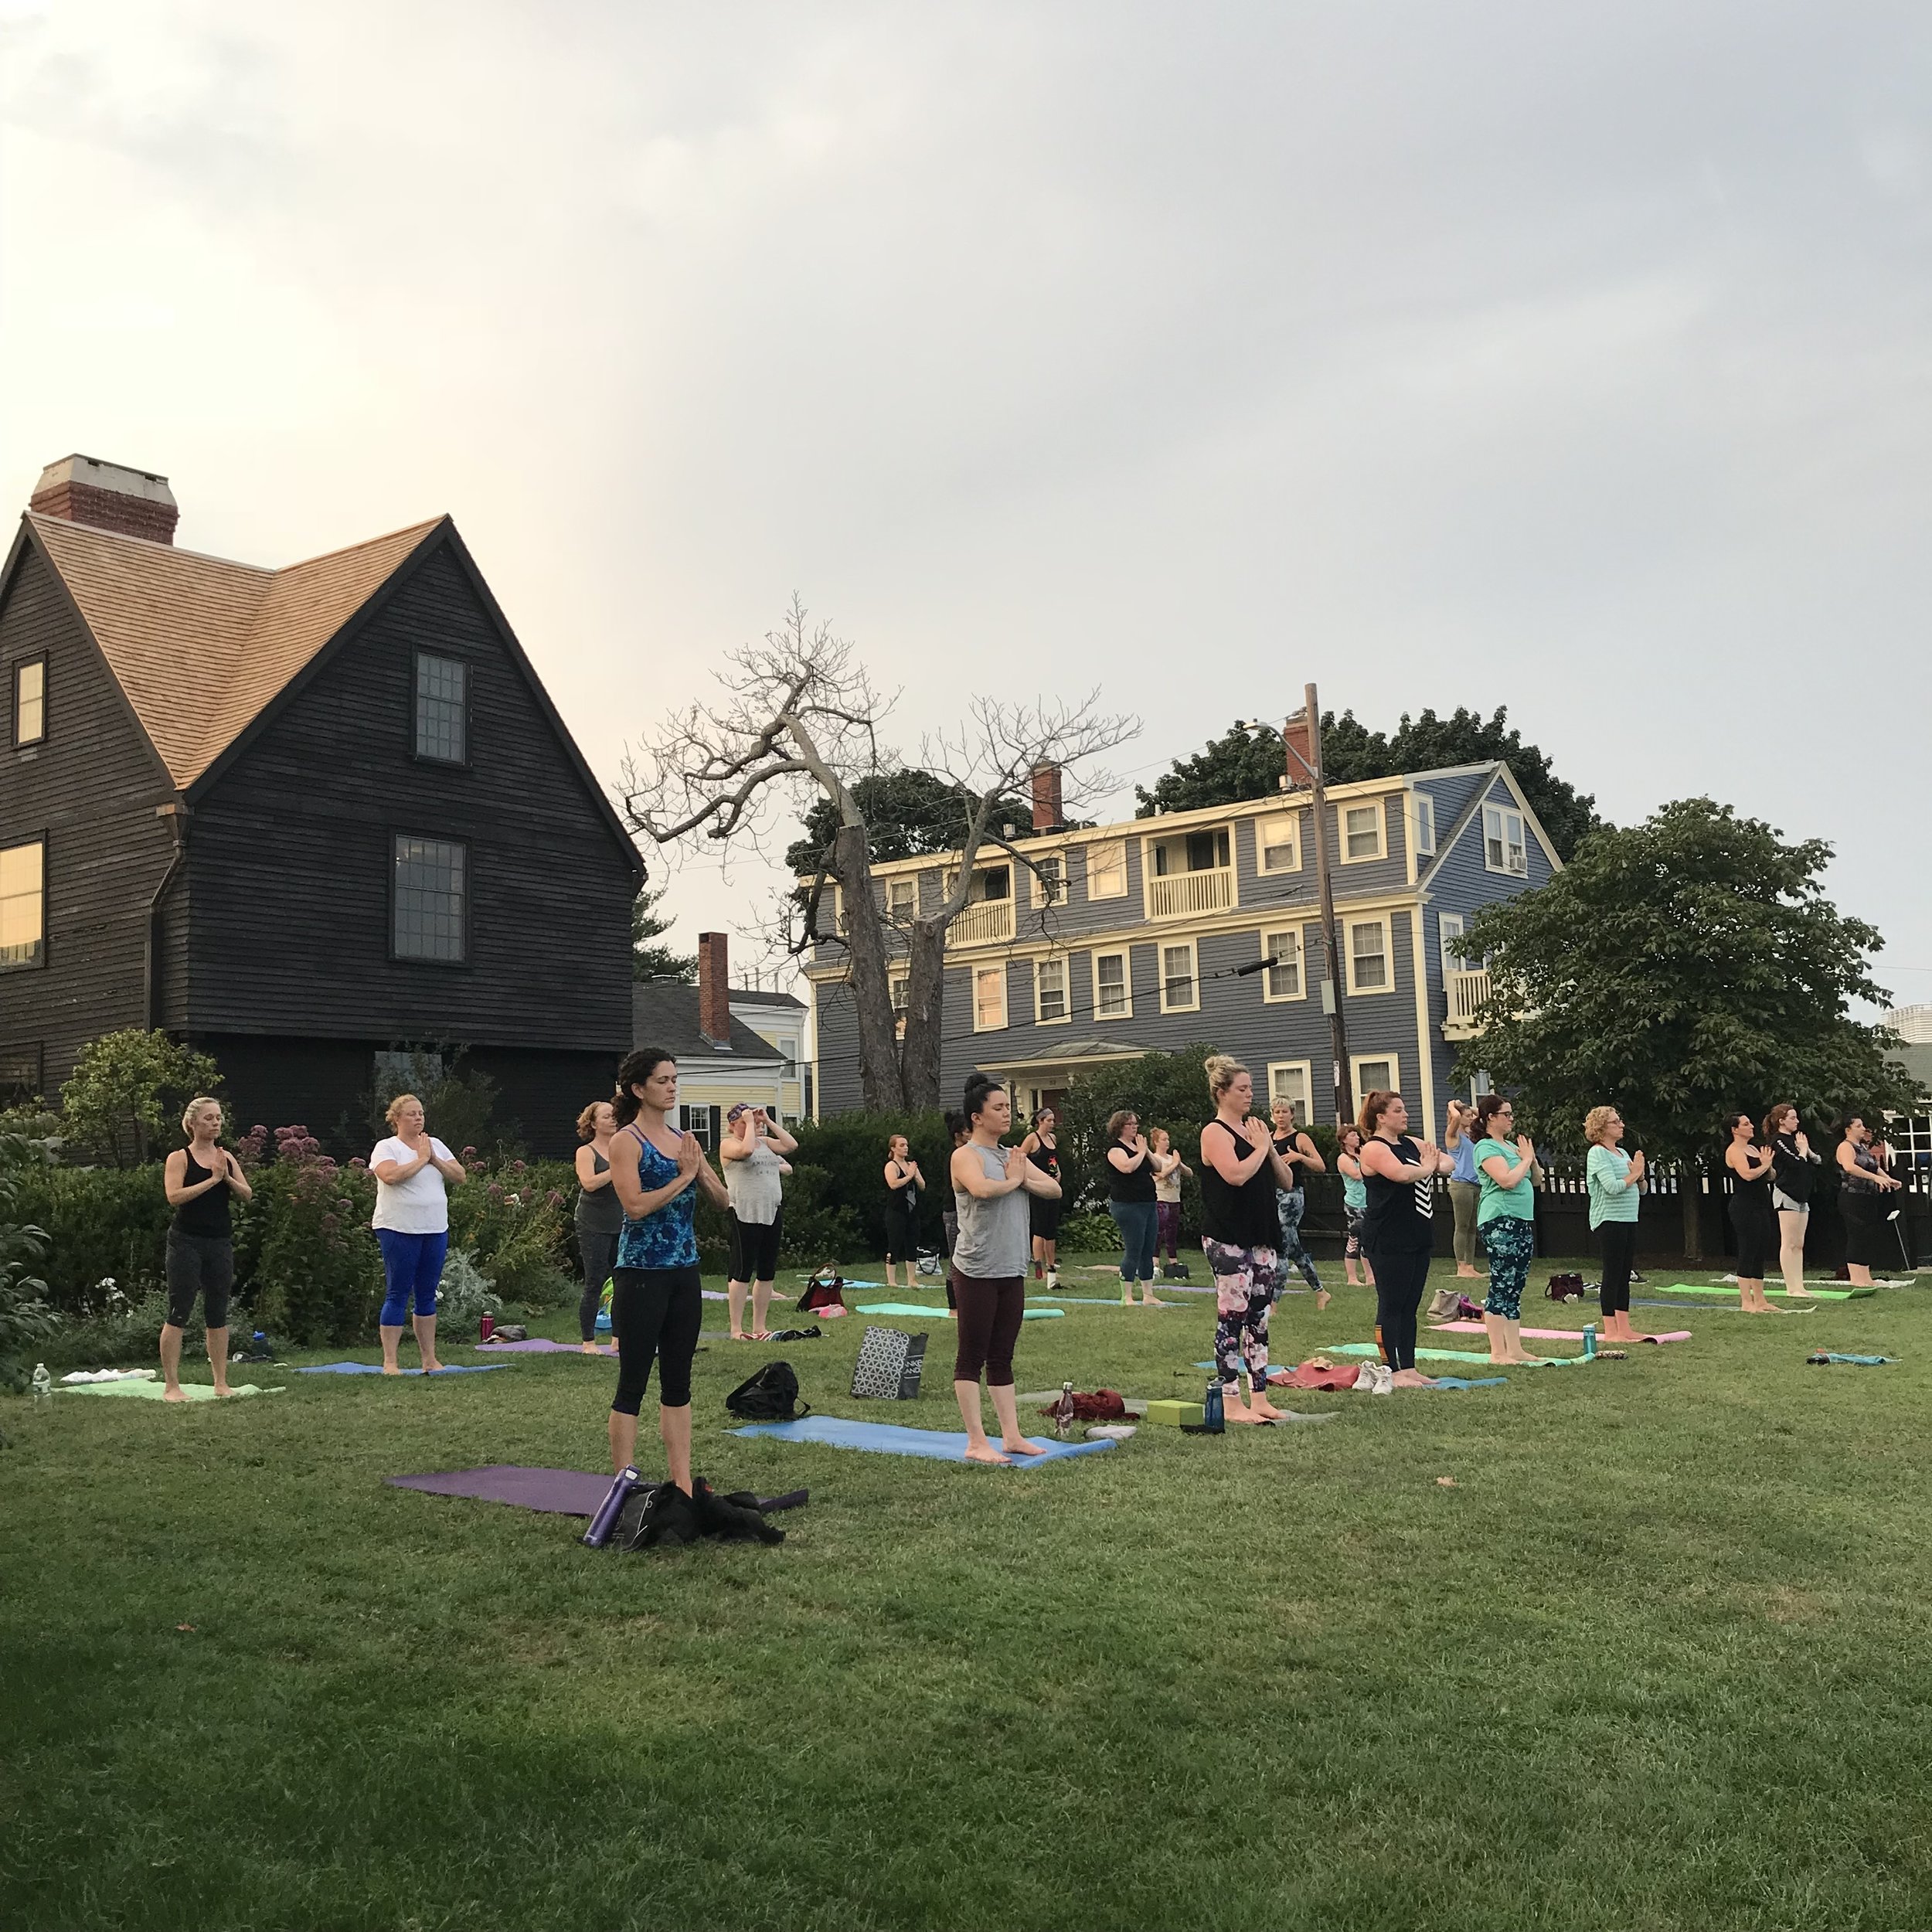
[(1332, 982)]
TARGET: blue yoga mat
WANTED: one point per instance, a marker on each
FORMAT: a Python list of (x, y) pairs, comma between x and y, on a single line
[(1094, 1300), (376, 1369), (1457, 1381), (941, 1314), (892, 1439)]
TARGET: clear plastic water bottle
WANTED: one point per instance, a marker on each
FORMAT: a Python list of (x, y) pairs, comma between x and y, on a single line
[(43, 1381), (1589, 1341), (1214, 1415), (1063, 1410)]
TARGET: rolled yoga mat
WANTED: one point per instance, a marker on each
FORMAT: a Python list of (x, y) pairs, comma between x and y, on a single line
[(1546, 1334), (892, 1439), (554, 1492), (376, 1369)]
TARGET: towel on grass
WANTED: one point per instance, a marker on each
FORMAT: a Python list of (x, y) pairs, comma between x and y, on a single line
[(157, 1391)]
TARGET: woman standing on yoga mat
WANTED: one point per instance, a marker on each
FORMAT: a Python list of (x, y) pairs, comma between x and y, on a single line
[(1130, 1200), (1299, 1155), (1613, 1177), (1459, 1136), (1239, 1173), (1168, 1169), (1041, 1148), (1750, 1167), (903, 1180), (600, 1214), (656, 1308), (990, 1183), (1862, 1185), (754, 1173), (1354, 1206), (1794, 1168), (198, 1179), (1399, 1228), (1505, 1224), (414, 1172)]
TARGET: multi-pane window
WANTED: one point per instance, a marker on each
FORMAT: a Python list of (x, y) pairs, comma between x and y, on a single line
[(20, 1075), (697, 1122), (902, 900), (1282, 952), (1177, 977), (1451, 939), (901, 986), (442, 709), (1049, 989), (1368, 957), (1376, 1074), (989, 998), (1361, 831), (1111, 1000), (1050, 881), (30, 702), (23, 906), (1106, 869), (1503, 850), (1280, 847), (1425, 811), (1288, 1080), (431, 899)]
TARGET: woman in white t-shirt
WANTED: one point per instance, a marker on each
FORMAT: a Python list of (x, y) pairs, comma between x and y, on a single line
[(413, 1173)]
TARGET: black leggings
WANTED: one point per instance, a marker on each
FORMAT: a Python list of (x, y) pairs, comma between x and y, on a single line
[(657, 1313), (899, 1229), (1620, 1257), (1399, 1278), (599, 1253), (754, 1248), (990, 1313)]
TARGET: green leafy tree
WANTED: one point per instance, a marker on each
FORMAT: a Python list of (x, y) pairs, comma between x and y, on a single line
[(1244, 764), (1679, 970), (125, 1096), (908, 814), (26, 1320), (649, 959)]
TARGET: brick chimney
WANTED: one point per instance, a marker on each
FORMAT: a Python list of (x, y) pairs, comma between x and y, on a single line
[(1300, 748), (1047, 814), (714, 987), (108, 497)]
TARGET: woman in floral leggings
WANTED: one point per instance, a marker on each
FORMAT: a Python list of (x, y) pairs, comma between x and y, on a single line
[(1506, 1224)]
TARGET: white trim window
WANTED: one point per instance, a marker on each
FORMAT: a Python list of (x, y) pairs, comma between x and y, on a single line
[(1449, 928), (1113, 986), (1282, 952), (1363, 827), (1289, 1080), (902, 900), (1180, 978), (1106, 869), (1370, 969), (1425, 824), (1373, 1072), (1049, 991), (1277, 843), (898, 988), (989, 998), (1049, 880), (1503, 848)]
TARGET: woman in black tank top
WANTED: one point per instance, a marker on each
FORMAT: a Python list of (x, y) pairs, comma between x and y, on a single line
[(1398, 1229), (1750, 1169), (198, 1180), (1042, 1149)]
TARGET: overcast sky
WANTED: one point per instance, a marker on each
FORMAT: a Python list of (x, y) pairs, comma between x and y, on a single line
[(1574, 359)]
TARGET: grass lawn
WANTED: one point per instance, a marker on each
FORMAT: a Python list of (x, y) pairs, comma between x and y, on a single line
[(1658, 1659)]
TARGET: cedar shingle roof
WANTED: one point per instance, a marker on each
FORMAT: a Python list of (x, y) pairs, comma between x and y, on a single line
[(201, 645)]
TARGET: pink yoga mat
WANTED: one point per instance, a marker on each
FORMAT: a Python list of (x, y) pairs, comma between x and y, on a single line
[(538, 1344), (1550, 1334)]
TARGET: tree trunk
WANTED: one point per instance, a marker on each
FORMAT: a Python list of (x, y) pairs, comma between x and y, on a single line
[(921, 1054), (1690, 1194), (879, 1075)]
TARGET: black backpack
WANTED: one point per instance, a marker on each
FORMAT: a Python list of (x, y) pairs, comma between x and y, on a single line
[(769, 1396)]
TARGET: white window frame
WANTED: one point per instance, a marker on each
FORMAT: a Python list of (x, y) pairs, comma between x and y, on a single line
[(1388, 956), (1425, 824), (1500, 816), (1270, 997), (894, 888), (1166, 946), (1041, 1016), (1116, 845), (1450, 925), (1126, 958), (1048, 890), (899, 987), (1357, 1061), (979, 973), (1292, 820), (1376, 806), (1305, 1101)]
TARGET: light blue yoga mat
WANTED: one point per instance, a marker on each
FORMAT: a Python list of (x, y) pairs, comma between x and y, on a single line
[(893, 1439), (376, 1369), (1456, 1383), (1437, 1354), (941, 1314), (1096, 1300)]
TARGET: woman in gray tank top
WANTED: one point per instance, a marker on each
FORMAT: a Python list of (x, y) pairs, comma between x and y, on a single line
[(600, 1214), (990, 1185)]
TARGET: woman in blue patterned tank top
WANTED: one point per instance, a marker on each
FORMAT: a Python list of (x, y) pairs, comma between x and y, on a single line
[(656, 1306)]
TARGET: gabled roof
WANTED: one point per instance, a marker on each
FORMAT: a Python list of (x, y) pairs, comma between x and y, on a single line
[(664, 1013), (1497, 768), (199, 645), (752, 996)]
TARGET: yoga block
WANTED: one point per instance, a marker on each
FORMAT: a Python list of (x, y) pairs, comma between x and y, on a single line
[(1175, 1413)]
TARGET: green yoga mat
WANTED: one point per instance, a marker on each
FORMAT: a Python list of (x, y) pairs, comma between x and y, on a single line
[(155, 1391), (1730, 1288), (942, 1314), (1453, 1354)]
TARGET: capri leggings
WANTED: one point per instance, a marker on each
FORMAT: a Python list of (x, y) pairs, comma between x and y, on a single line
[(1167, 1229), (1401, 1276), (412, 1266), (656, 1313), (1353, 1217), (1135, 1221), (1290, 1205), (1245, 1282), (1620, 1257), (599, 1253), (990, 1312), (1509, 1242)]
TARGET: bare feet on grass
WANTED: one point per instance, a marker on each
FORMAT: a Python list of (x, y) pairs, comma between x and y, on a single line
[(1323, 1298)]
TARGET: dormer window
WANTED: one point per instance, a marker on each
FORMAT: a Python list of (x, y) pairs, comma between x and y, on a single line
[(442, 710)]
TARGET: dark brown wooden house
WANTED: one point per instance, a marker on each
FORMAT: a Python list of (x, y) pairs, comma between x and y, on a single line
[(299, 818)]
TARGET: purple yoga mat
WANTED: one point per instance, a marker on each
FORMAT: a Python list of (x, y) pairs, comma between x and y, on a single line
[(559, 1493), (538, 1344)]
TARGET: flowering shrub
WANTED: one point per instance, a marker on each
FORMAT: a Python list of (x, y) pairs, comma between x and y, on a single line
[(318, 1275)]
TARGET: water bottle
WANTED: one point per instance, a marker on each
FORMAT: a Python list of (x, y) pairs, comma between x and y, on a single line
[(1063, 1410), (614, 1499), (1590, 1342), (43, 1381), (1214, 1418)]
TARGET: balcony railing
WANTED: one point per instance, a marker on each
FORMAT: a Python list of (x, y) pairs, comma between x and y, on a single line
[(983, 922), (1467, 992), (1181, 895)]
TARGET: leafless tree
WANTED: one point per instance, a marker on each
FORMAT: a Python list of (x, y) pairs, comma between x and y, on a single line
[(798, 714)]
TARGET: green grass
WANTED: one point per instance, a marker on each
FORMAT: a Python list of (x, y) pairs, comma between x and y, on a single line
[(1658, 1659)]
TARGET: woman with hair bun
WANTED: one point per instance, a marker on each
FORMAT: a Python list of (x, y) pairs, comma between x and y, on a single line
[(414, 1172), (1398, 1229), (1862, 1184), (1793, 1170), (656, 1305), (1750, 1170), (600, 1214), (198, 1180)]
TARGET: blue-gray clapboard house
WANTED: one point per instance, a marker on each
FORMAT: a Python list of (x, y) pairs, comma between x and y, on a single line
[(1132, 941)]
